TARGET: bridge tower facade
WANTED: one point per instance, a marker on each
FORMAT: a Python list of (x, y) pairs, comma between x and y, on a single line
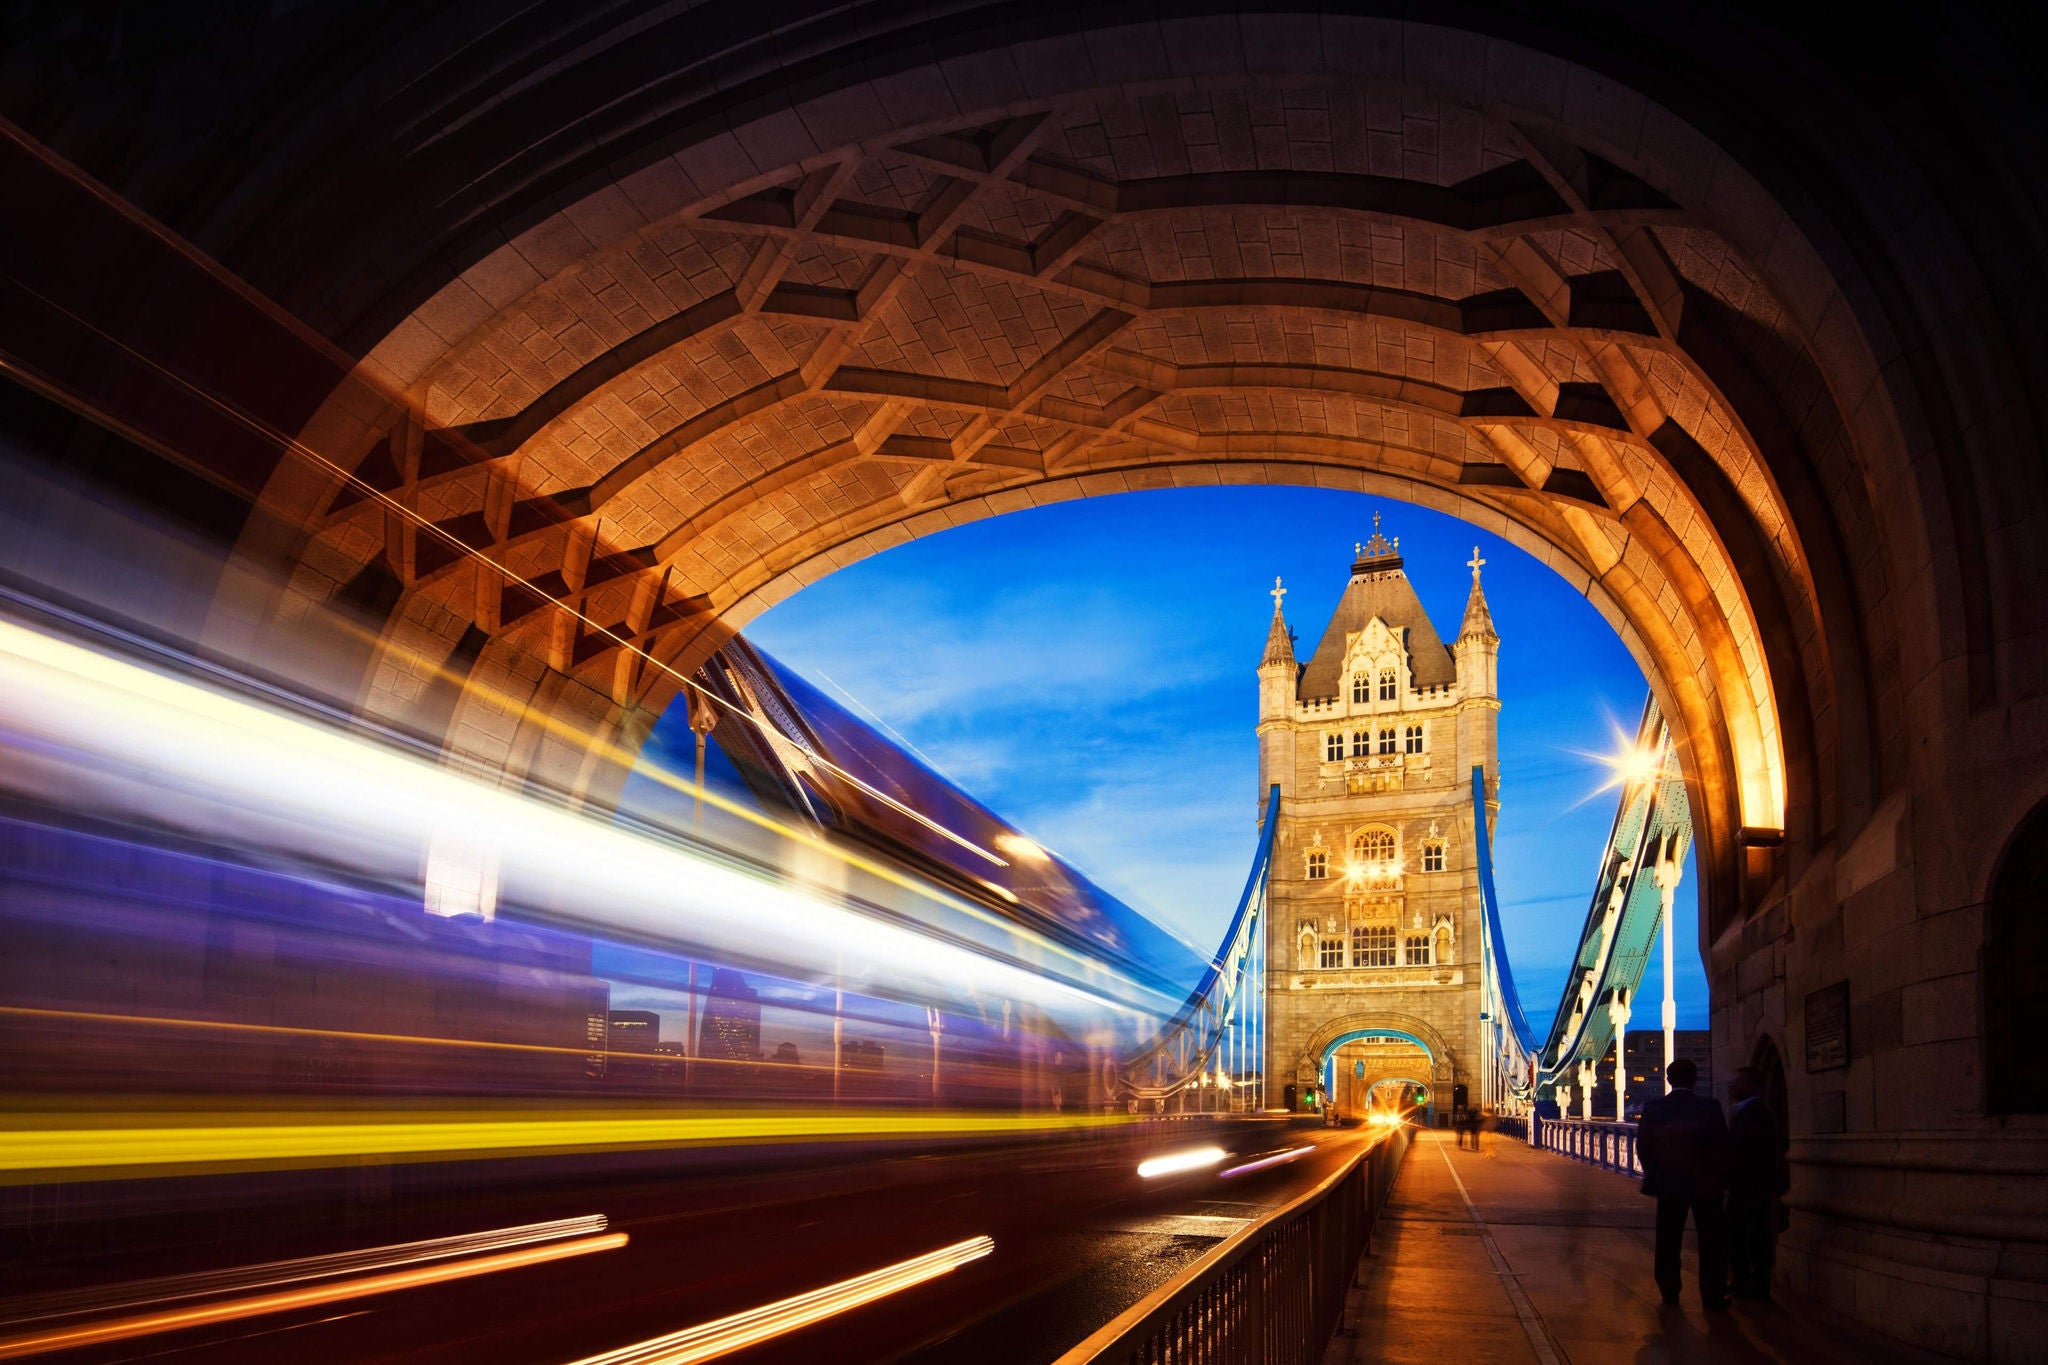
[(1374, 923)]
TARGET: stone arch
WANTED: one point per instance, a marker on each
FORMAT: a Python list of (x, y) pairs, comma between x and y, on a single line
[(1443, 1062), (1713, 587)]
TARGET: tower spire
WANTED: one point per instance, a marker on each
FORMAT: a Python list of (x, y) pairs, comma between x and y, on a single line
[(1279, 639), (1478, 617)]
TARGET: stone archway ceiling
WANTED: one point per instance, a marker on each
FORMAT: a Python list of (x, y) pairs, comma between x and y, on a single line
[(1174, 284)]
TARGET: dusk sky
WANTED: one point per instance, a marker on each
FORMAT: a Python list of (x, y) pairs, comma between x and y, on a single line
[(1088, 670)]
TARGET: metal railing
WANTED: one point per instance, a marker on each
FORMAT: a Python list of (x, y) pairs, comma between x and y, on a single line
[(1273, 1294), (1597, 1142)]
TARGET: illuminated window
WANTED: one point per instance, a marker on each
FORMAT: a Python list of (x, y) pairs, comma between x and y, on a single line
[(1361, 690), (1372, 945), (1361, 743), (1412, 740), (1373, 846), (1333, 748), (1433, 857), (1318, 863), (1415, 950), (1387, 685), (1387, 741), (1330, 953)]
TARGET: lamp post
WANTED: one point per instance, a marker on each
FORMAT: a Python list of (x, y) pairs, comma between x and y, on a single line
[(1667, 872)]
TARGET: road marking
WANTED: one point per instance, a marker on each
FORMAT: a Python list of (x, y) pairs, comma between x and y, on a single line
[(1547, 1352)]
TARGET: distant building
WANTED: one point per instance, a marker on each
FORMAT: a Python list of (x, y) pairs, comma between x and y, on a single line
[(855, 1055), (1373, 929), (787, 1053), (731, 1027), (1644, 1049), (631, 1038), (632, 1031)]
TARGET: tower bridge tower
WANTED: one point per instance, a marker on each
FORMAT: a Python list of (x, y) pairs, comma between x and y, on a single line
[(1374, 917)]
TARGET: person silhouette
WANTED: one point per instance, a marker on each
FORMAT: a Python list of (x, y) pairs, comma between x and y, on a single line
[(1682, 1142), (1757, 1176)]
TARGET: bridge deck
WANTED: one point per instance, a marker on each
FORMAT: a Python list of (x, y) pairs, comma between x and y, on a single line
[(1512, 1256)]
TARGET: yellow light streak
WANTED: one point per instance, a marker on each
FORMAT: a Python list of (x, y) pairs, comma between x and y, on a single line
[(179, 1319), (77, 1146), (725, 1335)]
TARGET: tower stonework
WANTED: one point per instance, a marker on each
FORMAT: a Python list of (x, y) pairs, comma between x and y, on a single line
[(1374, 923)]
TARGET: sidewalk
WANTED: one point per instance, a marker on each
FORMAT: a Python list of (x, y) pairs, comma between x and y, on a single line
[(1538, 1260)]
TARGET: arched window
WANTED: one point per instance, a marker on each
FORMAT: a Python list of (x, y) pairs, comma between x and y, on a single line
[(1373, 846), (1318, 864), (1387, 684), (1415, 950), (1411, 739), (1361, 743), (1433, 856), (2015, 961), (1333, 748), (1361, 689), (1387, 741)]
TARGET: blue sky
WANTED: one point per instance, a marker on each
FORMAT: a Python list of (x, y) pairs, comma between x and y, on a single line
[(1088, 670)]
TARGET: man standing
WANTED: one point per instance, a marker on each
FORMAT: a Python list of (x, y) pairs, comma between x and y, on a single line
[(1683, 1143), (1757, 1175)]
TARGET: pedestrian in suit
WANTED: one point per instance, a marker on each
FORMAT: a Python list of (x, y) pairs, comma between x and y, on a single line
[(1682, 1141), (1757, 1176)]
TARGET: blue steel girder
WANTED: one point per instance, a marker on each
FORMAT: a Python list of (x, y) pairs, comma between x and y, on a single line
[(1653, 823), (1225, 998)]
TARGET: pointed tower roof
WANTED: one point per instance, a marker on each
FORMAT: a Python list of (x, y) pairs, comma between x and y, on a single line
[(1378, 588), (1279, 639), (1478, 619)]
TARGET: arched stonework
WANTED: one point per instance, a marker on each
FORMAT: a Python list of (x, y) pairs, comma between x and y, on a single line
[(1443, 1062), (710, 405)]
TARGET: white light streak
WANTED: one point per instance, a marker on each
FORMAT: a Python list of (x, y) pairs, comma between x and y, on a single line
[(89, 731), (1192, 1160), (726, 1335), (1266, 1162)]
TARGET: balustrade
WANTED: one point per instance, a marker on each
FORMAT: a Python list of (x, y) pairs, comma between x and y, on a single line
[(1597, 1142)]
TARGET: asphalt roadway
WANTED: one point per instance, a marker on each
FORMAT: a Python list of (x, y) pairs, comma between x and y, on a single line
[(1078, 1236)]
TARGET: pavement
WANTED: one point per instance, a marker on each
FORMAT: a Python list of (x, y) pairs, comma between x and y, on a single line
[(1514, 1256)]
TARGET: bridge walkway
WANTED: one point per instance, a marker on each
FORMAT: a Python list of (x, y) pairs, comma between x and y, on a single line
[(1511, 1256)]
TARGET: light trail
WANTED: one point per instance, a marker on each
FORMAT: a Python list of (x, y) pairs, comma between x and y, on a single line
[(74, 1146), (1193, 1160), (201, 1315), (462, 548), (110, 734), (726, 1335), (272, 1274), (1264, 1163)]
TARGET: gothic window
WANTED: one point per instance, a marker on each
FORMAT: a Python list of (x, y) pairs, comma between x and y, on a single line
[(1412, 739), (1361, 689), (1361, 743), (1333, 748), (1387, 739), (1372, 945), (1331, 954), (1433, 856), (1387, 684), (1318, 864), (1415, 950), (1373, 846)]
